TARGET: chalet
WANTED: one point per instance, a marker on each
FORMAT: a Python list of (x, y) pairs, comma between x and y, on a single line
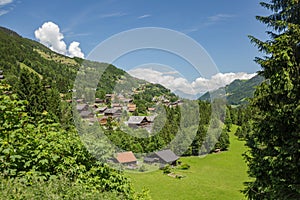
[(97, 100), (117, 106), (102, 121), (164, 157), (151, 109), (131, 107), (86, 114), (137, 121), (101, 110), (127, 100), (126, 158), (82, 107), (150, 119), (112, 112)]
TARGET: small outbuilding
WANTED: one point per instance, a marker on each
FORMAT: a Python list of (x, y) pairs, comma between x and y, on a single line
[(126, 158), (164, 157)]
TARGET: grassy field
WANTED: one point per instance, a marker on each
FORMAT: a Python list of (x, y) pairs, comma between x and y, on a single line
[(216, 176)]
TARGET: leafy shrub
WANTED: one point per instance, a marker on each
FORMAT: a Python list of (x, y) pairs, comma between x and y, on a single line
[(185, 166)]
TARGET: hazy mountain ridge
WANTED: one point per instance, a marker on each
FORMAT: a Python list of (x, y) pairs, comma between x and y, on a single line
[(238, 91)]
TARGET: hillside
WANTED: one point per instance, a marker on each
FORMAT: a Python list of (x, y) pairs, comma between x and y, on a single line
[(55, 70), (238, 91)]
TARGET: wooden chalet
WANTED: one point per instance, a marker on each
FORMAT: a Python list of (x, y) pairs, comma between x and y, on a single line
[(112, 112), (82, 107), (137, 121), (131, 107)]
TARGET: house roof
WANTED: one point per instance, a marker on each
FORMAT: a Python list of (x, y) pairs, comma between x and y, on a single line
[(167, 155), (126, 157), (136, 119), (150, 118), (86, 113), (80, 107), (111, 111)]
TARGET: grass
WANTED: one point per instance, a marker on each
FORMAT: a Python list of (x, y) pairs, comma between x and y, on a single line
[(216, 176)]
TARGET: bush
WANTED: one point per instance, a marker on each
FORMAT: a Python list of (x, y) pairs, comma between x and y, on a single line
[(185, 166)]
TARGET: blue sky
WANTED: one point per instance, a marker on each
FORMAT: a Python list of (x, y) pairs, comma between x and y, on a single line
[(220, 26)]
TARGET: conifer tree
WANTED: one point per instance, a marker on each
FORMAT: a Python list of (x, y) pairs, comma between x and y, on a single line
[(274, 144)]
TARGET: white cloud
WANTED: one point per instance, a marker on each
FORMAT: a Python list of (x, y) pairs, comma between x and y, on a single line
[(219, 17), (75, 51), (182, 85), (5, 2), (144, 16), (3, 12), (49, 35)]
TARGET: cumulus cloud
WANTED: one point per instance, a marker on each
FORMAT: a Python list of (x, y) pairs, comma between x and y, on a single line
[(5, 2), (74, 50), (182, 85), (49, 34)]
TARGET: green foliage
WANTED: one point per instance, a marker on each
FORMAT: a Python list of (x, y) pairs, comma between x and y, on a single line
[(166, 169), (185, 166), (55, 188), (43, 150), (273, 158)]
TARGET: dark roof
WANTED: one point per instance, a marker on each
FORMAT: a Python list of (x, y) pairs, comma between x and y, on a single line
[(111, 111), (136, 119), (81, 107), (167, 155), (126, 157), (85, 113)]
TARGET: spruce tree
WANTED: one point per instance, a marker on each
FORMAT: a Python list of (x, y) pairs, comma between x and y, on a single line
[(274, 144)]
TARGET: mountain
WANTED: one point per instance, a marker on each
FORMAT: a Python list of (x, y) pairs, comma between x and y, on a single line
[(238, 91), (54, 70)]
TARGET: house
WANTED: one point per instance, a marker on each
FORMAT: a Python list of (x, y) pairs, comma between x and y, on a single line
[(86, 114), (150, 119), (82, 107), (102, 121), (137, 121), (131, 107), (127, 100), (97, 100), (165, 157), (1, 77), (101, 110), (126, 158), (112, 112), (1, 72), (151, 109)]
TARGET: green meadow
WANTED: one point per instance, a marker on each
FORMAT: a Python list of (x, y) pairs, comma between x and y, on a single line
[(215, 176)]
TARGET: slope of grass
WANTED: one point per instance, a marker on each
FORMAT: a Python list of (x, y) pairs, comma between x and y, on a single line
[(216, 176)]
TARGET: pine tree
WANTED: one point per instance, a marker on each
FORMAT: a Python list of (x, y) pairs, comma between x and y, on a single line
[(274, 155)]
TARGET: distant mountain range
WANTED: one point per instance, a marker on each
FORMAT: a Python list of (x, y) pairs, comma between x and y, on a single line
[(237, 92)]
